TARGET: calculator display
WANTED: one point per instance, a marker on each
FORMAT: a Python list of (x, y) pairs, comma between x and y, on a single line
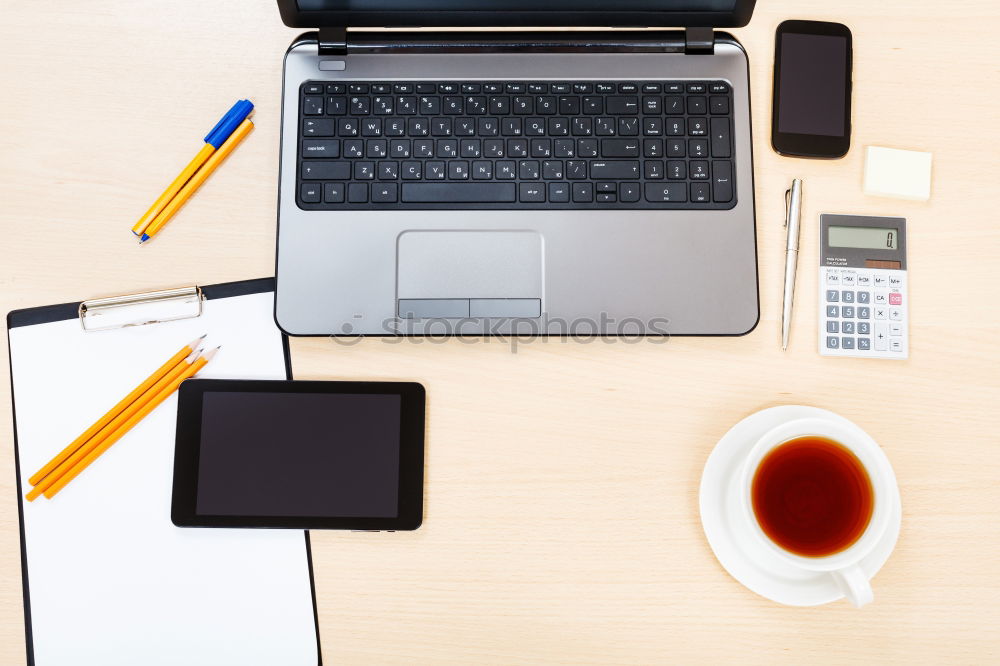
[(869, 238)]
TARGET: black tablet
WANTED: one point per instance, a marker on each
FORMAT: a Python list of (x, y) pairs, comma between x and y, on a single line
[(299, 454)]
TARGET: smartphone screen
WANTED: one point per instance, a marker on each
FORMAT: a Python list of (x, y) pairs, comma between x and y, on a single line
[(812, 89)]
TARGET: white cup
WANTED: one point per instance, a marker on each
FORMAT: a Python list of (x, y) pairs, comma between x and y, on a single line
[(843, 566)]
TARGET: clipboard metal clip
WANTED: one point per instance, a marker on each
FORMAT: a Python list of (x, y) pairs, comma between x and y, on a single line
[(152, 307)]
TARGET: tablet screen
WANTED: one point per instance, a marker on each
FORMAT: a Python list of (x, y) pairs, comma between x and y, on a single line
[(315, 454), (299, 454)]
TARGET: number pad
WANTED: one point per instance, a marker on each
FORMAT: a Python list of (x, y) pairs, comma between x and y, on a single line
[(863, 313)]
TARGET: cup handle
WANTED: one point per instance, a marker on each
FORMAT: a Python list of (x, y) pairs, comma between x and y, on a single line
[(854, 583)]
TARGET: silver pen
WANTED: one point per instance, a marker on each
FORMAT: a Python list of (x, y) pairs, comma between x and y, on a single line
[(793, 213)]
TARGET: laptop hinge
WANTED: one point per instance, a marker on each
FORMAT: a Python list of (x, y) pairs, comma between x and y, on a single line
[(699, 40), (333, 40)]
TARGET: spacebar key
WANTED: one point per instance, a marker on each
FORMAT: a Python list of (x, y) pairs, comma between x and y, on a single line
[(459, 193)]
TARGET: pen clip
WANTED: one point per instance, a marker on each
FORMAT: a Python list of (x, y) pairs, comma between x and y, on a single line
[(788, 194)]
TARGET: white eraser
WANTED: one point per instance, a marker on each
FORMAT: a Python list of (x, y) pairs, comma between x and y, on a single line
[(904, 174)]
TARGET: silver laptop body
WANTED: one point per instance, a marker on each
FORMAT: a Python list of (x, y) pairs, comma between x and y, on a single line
[(605, 271)]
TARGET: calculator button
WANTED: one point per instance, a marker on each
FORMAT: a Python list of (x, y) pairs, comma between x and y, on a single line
[(849, 279), (832, 327), (847, 327), (864, 344), (881, 313), (847, 296), (895, 281), (895, 314), (895, 298), (847, 312), (881, 297), (832, 295), (896, 345), (864, 313), (832, 311), (895, 328), (847, 343), (832, 277), (832, 342), (881, 337), (864, 297), (864, 279), (864, 328), (880, 280)]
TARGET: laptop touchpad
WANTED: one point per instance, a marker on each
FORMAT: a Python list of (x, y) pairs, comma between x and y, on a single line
[(456, 274)]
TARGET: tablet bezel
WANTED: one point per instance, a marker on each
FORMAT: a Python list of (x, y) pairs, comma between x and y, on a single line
[(187, 452)]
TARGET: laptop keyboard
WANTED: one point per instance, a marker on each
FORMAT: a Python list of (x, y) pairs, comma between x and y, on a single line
[(531, 145)]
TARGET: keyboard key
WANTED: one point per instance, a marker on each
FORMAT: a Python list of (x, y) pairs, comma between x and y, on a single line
[(318, 127), (722, 182), (583, 192), (357, 193), (697, 105), (701, 192), (320, 148), (335, 89), (720, 137), (663, 192), (458, 170), (333, 192), (622, 105), (471, 192), (616, 170), (312, 106), (628, 192), (310, 192), (619, 148), (336, 106), (718, 105), (719, 87), (697, 148), (384, 193), (313, 89), (326, 170), (559, 192), (531, 192), (364, 170)]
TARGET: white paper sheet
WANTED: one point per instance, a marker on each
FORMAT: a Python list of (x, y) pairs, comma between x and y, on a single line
[(111, 579)]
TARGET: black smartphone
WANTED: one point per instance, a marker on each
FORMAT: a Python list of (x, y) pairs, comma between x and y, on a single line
[(811, 110)]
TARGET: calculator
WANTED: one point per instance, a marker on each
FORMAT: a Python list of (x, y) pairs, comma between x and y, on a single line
[(862, 287)]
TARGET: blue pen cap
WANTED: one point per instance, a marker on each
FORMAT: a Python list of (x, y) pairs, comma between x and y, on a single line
[(229, 122)]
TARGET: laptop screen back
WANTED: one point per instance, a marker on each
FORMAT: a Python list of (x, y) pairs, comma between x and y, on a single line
[(516, 5), (490, 13)]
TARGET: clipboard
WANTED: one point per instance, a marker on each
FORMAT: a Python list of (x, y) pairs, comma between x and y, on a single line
[(107, 578)]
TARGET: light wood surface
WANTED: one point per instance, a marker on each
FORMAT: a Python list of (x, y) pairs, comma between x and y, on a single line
[(561, 498)]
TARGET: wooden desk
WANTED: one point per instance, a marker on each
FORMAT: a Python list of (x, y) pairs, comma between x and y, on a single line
[(562, 519)]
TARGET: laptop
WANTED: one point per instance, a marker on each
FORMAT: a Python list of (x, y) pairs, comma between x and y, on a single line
[(468, 180)]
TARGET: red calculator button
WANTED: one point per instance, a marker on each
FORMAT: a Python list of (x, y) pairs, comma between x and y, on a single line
[(895, 299)]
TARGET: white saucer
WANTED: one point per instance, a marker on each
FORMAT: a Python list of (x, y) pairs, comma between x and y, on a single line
[(730, 537)]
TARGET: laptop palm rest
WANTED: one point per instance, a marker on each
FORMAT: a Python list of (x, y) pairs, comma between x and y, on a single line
[(457, 274)]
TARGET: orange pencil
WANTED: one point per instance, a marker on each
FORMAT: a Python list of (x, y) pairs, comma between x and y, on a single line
[(115, 411), (106, 443), (91, 443)]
